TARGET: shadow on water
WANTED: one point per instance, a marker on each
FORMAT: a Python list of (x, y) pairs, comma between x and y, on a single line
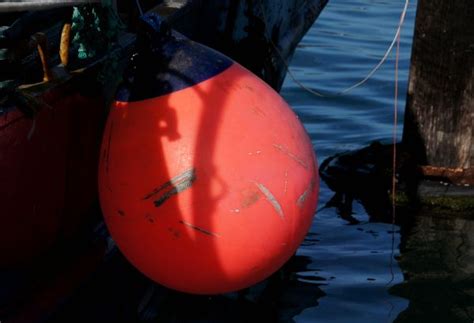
[(364, 176), (278, 299)]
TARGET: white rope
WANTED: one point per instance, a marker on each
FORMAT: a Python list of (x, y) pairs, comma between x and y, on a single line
[(139, 7), (365, 79)]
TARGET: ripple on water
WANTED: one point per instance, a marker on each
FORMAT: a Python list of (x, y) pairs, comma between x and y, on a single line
[(350, 263)]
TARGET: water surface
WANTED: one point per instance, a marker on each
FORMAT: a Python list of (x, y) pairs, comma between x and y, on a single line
[(355, 264)]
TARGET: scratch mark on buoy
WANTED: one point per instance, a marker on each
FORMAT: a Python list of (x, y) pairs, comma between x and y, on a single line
[(150, 218), (285, 150), (271, 198), (258, 152), (249, 197), (286, 181), (258, 111), (176, 185), (121, 213), (174, 232), (302, 198), (192, 226)]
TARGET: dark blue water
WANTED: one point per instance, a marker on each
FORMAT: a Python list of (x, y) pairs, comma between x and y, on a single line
[(352, 262), (425, 275)]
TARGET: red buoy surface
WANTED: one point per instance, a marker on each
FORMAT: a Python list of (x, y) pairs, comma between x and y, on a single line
[(212, 187)]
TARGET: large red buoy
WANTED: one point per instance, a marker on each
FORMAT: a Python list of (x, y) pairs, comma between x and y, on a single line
[(208, 181)]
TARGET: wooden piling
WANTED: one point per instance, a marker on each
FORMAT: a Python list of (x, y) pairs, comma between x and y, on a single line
[(439, 116)]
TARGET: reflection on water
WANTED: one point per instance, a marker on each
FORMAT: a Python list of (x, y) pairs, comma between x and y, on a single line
[(350, 247), (278, 299), (438, 264), (351, 250)]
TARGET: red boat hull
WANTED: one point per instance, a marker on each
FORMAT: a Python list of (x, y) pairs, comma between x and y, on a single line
[(48, 172)]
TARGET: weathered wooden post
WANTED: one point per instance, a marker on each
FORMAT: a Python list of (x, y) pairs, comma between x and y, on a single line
[(438, 131), (439, 116)]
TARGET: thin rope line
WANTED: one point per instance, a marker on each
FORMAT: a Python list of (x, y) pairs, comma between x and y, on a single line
[(394, 152), (140, 10), (350, 88)]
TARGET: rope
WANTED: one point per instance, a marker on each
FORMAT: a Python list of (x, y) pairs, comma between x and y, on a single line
[(350, 88), (394, 143), (395, 41), (137, 2)]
